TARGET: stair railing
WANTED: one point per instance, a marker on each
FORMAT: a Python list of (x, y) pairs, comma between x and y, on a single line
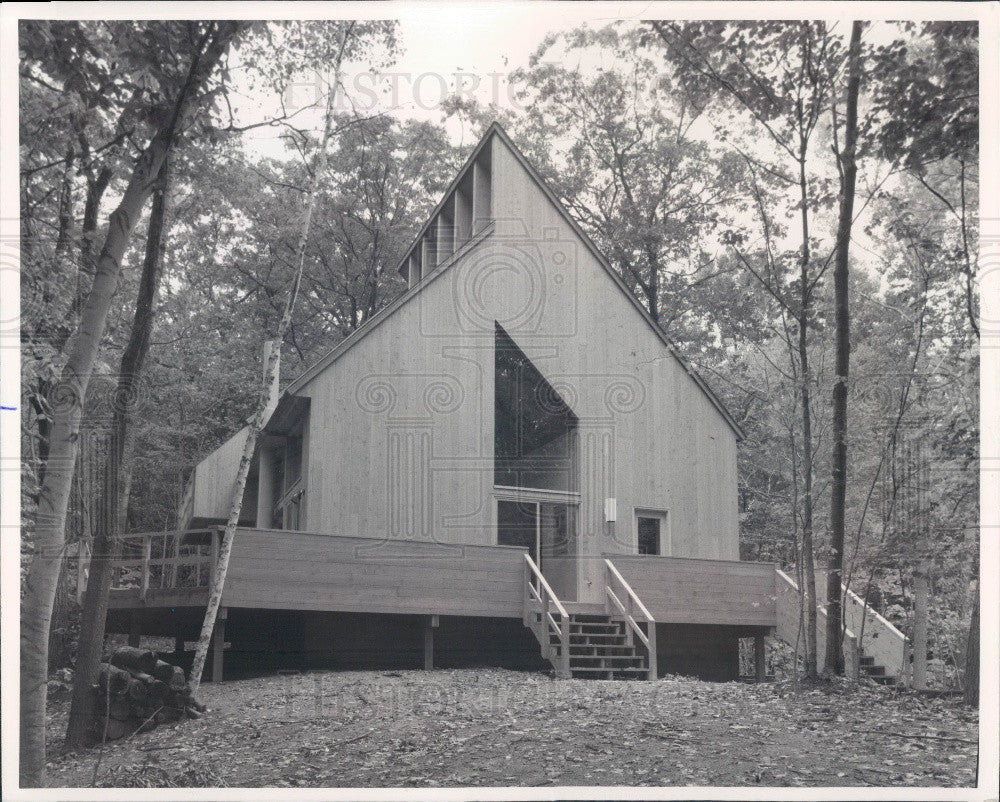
[(626, 610), (882, 642), (541, 599)]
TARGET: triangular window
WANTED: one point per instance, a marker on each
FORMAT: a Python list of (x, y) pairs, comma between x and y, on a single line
[(534, 429)]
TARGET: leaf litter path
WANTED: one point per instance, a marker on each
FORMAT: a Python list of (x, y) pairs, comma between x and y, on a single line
[(491, 727)]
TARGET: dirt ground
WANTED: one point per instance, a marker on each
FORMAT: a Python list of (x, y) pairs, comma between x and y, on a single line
[(492, 727)]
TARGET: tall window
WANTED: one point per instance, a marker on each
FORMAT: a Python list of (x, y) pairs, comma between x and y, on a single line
[(534, 429), (287, 486)]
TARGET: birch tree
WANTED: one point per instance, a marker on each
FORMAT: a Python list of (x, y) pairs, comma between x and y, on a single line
[(208, 44), (257, 422)]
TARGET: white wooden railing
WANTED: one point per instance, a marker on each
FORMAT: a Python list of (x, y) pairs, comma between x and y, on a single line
[(626, 611), (539, 602), (881, 640), (877, 636)]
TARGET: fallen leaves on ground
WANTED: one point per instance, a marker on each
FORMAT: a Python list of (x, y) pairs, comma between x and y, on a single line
[(491, 727)]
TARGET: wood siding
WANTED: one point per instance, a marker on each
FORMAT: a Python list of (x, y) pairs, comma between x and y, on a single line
[(214, 480), (402, 421), (284, 570), (400, 440), (273, 569), (692, 591)]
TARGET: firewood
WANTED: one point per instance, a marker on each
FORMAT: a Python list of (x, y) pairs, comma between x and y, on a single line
[(131, 700), (137, 659), (173, 676), (154, 688), (120, 709), (137, 690), (112, 678), (116, 729)]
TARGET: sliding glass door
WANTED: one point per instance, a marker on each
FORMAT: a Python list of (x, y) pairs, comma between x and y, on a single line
[(548, 531)]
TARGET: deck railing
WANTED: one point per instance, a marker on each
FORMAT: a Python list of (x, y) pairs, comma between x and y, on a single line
[(625, 610), (167, 561), (880, 639), (540, 600)]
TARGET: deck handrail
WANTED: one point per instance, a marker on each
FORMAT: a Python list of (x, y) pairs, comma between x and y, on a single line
[(144, 562), (647, 638), (545, 584), (546, 625), (891, 651), (628, 589)]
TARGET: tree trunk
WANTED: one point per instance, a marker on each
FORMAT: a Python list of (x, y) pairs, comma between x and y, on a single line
[(107, 537), (259, 418), (808, 559), (834, 662), (65, 206), (972, 657), (920, 630), (67, 407)]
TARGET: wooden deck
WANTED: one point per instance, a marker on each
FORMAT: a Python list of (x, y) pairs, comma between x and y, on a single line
[(285, 570), (684, 590)]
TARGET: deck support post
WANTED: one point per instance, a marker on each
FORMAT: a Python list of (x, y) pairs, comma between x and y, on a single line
[(760, 665), (651, 634), (563, 672), (432, 624), (526, 599), (852, 657), (544, 624), (218, 644), (147, 545), (134, 630)]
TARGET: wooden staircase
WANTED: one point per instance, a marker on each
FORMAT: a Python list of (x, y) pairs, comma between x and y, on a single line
[(873, 647), (600, 648), (592, 645), (875, 672)]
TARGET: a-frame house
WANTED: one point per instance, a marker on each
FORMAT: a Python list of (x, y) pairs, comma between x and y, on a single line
[(509, 465)]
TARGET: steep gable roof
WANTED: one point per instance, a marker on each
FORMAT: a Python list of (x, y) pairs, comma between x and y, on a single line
[(495, 129)]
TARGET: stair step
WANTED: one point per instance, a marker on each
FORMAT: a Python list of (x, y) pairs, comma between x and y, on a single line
[(597, 649), (874, 671), (601, 648), (601, 670), (591, 640), (606, 662), (579, 629)]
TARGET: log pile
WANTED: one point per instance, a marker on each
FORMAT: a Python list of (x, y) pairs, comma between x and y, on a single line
[(136, 692)]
